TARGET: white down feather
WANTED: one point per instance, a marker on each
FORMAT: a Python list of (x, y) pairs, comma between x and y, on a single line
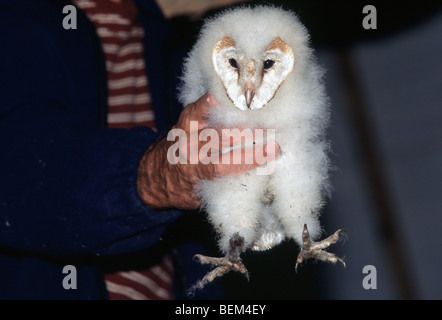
[(299, 114)]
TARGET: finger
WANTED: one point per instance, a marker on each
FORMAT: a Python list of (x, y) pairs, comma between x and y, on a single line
[(199, 110), (242, 160), (271, 150), (211, 100)]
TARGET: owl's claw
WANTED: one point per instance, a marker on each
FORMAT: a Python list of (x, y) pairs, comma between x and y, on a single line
[(311, 249), (222, 266), (231, 262)]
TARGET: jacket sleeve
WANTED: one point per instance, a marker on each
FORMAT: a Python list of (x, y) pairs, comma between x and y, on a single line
[(66, 185)]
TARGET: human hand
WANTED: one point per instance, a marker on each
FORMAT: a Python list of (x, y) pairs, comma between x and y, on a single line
[(163, 183)]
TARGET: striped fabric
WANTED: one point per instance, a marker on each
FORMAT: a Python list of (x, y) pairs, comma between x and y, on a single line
[(121, 36), (129, 105), (152, 284)]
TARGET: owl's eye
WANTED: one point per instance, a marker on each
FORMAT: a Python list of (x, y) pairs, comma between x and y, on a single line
[(233, 63), (268, 64)]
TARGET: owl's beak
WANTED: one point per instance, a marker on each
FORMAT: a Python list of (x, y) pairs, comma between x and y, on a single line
[(249, 93)]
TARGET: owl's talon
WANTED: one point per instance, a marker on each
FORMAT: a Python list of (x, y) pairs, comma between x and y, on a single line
[(222, 266), (231, 262), (315, 250)]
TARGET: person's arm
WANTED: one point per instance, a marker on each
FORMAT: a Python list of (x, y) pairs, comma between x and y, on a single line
[(66, 186)]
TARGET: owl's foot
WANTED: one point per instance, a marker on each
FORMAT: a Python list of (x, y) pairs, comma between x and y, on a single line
[(231, 262), (222, 266), (311, 249)]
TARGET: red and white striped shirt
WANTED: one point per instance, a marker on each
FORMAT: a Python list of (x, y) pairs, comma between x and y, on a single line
[(129, 104), (121, 35), (151, 284)]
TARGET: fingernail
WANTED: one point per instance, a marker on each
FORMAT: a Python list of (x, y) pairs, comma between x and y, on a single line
[(270, 148), (211, 100)]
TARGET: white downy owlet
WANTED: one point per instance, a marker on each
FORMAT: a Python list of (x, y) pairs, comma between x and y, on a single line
[(258, 64)]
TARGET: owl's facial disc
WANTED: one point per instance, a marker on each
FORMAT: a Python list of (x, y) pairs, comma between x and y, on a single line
[(250, 83)]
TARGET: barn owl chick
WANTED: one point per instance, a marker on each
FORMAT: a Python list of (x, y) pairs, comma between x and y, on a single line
[(258, 64)]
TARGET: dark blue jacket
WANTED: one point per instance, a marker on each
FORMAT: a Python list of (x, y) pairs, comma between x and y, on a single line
[(67, 184)]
